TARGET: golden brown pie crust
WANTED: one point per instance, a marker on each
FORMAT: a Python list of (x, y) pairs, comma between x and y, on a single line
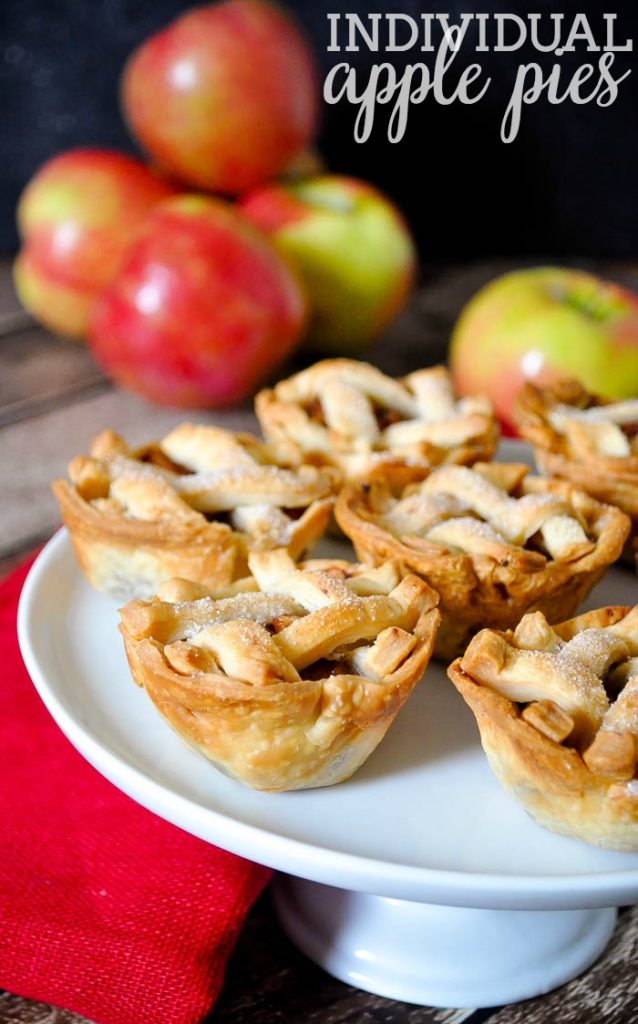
[(292, 685), (609, 478), (495, 584), (348, 414), (136, 517), (580, 782)]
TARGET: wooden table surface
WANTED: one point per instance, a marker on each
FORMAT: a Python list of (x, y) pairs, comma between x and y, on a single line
[(52, 400)]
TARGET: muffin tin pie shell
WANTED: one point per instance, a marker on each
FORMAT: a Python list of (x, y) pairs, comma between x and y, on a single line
[(549, 779), (477, 591), (613, 480), (266, 735)]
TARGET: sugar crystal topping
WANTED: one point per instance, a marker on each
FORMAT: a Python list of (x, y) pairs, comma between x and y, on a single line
[(363, 411), (465, 498), (213, 472), (300, 616)]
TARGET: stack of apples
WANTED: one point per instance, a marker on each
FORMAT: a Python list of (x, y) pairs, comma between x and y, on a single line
[(186, 297)]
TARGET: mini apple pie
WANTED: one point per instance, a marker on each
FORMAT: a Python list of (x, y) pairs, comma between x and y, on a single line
[(348, 414), (584, 439), (493, 541), (193, 505), (557, 709), (292, 680)]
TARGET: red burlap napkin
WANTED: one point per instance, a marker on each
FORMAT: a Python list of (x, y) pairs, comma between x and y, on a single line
[(105, 909)]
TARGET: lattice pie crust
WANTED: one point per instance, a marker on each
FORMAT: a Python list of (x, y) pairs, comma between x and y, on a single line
[(492, 541), (557, 708), (193, 504), (292, 679), (586, 440), (347, 414)]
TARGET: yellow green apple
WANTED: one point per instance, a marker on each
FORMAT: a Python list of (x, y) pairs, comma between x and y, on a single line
[(543, 323), (351, 247)]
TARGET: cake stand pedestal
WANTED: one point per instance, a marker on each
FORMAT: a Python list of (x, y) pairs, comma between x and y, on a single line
[(419, 878), (435, 955)]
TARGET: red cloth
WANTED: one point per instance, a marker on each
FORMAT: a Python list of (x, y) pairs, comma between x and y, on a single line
[(105, 909)]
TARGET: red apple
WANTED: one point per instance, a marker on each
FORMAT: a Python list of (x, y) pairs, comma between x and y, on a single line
[(545, 323), (77, 215), (351, 247), (202, 308), (225, 96)]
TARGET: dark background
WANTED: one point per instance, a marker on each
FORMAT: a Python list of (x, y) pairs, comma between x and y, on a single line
[(567, 186)]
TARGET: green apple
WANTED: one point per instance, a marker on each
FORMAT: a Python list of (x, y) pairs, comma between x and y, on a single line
[(541, 324), (351, 248)]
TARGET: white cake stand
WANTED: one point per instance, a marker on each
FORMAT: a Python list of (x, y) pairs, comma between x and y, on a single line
[(418, 879)]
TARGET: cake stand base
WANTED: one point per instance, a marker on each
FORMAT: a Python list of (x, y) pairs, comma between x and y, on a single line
[(439, 956)]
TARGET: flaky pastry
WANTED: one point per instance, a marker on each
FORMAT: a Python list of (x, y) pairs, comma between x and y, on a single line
[(193, 505), (557, 709), (585, 439), (292, 680), (493, 541), (345, 413)]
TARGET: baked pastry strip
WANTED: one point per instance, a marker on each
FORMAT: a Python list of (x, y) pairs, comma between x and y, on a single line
[(192, 505), (348, 414), (582, 438), (493, 541)]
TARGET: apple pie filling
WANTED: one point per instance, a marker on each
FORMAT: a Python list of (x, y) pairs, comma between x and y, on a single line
[(200, 471), (464, 511), (598, 429), (583, 424), (384, 416)]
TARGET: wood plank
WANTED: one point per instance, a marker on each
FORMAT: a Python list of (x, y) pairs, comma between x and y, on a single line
[(268, 980), (15, 1010), (39, 370), (14, 556), (12, 315), (53, 398)]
